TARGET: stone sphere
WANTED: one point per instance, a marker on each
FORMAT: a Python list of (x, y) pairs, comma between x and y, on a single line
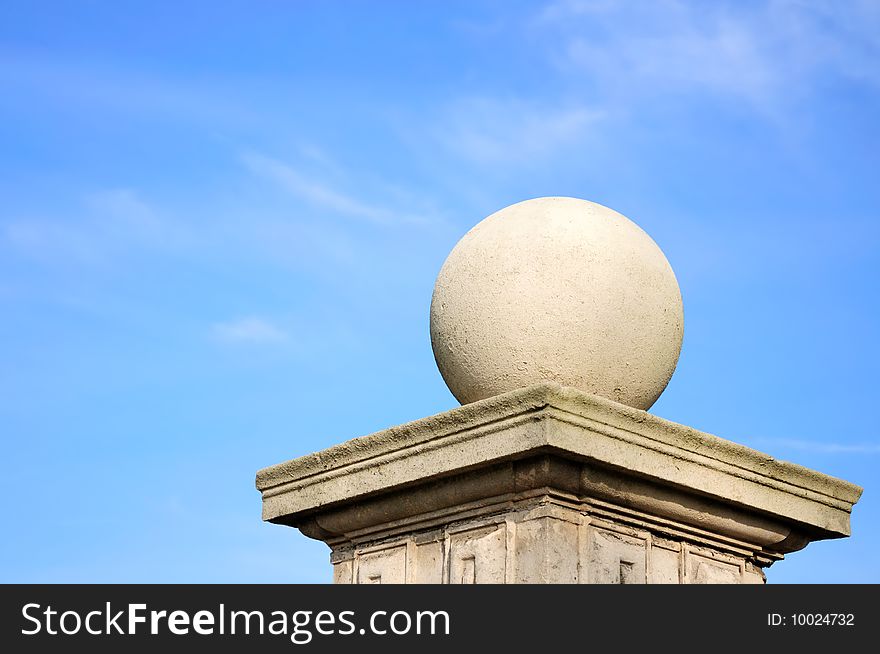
[(557, 289)]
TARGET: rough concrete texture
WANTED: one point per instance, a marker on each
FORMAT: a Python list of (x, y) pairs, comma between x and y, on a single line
[(557, 289), (633, 497), (545, 541)]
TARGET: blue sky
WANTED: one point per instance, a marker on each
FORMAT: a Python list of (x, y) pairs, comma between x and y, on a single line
[(219, 218)]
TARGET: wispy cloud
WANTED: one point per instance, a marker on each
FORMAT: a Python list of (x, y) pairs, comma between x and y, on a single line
[(489, 130), (322, 195), (249, 330), (106, 223), (762, 53), (125, 205), (51, 241), (723, 58), (618, 68), (820, 447)]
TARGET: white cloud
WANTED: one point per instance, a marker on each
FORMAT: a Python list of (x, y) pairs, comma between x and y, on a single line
[(107, 223), (611, 62), (249, 330), (493, 131), (723, 58), (125, 206), (51, 241), (322, 195), (763, 53)]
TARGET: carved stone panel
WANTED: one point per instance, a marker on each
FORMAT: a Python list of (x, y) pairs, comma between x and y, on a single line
[(542, 541), (427, 563), (477, 556), (616, 558), (706, 570), (665, 565), (546, 551), (384, 566)]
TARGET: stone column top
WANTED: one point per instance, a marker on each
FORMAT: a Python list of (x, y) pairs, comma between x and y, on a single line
[(558, 289), (547, 417)]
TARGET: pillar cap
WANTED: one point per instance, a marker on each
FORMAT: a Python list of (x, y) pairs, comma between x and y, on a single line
[(557, 289), (649, 457)]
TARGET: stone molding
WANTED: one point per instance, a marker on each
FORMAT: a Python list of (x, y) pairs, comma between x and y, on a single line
[(541, 540), (592, 459)]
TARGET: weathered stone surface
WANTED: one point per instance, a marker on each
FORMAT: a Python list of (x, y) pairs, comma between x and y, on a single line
[(548, 484), (542, 540), (557, 289)]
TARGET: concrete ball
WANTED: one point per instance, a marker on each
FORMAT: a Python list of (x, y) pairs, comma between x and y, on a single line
[(557, 289)]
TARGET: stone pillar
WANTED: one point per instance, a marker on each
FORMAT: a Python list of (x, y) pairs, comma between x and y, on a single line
[(562, 481), (548, 484)]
